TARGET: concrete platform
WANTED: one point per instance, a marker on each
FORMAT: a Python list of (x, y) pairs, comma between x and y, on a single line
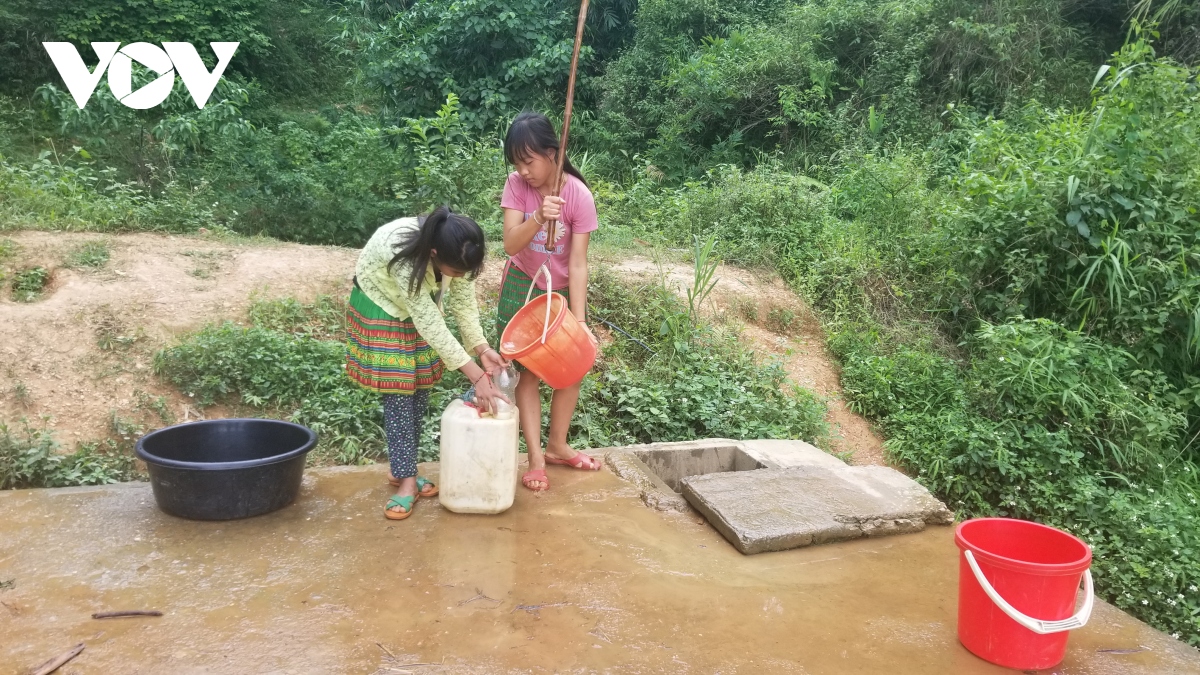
[(581, 579), (774, 495), (780, 509)]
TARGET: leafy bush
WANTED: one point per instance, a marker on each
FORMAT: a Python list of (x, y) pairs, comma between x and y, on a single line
[(72, 194), (1089, 218), (695, 89), (27, 284), (31, 458), (333, 182), (499, 56), (761, 216), (710, 386)]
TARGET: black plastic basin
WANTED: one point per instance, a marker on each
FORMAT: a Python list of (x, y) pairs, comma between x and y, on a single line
[(226, 469)]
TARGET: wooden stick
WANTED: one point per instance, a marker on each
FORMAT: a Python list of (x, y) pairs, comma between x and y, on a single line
[(566, 130), (386, 651), (58, 661), (126, 612)]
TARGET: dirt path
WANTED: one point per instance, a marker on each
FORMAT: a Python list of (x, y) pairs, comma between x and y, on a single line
[(81, 354), (777, 323)]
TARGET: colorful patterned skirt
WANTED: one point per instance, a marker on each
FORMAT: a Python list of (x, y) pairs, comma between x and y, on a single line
[(384, 354)]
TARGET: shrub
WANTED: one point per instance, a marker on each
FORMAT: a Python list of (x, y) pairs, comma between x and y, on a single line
[(27, 284), (1088, 218), (31, 458)]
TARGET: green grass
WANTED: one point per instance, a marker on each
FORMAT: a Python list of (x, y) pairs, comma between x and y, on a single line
[(27, 284), (91, 255)]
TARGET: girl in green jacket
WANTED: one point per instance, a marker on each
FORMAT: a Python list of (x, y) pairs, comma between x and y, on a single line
[(398, 344)]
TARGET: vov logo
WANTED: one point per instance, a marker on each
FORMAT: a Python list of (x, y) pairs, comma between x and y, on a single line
[(171, 58)]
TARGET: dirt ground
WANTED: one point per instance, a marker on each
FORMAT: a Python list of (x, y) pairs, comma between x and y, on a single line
[(81, 354), (581, 579), (83, 351)]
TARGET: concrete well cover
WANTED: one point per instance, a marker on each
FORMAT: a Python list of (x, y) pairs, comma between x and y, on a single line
[(779, 509)]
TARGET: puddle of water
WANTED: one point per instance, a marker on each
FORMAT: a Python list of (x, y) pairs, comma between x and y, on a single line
[(581, 578)]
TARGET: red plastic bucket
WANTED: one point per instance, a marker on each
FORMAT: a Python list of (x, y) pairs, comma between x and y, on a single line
[(566, 355), (1017, 583)]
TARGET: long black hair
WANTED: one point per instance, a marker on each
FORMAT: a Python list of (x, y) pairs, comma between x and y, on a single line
[(457, 239), (532, 133)]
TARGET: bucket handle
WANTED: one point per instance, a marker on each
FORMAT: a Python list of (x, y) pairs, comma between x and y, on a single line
[(1036, 625), (549, 292)]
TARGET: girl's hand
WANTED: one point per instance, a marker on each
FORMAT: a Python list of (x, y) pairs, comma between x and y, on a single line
[(551, 208), (591, 335), (492, 361), (487, 395)]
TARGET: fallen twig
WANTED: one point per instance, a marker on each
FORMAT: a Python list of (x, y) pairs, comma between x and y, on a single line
[(411, 665), (479, 596), (533, 609), (126, 612), (386, 651), (58, 661)]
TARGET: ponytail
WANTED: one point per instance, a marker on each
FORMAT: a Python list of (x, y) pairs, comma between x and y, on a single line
[(457, 239)]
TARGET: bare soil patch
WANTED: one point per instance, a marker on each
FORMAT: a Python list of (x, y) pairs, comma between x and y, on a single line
[(82, 352)]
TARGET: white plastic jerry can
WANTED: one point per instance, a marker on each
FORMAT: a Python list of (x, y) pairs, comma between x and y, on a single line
[(479, 459)]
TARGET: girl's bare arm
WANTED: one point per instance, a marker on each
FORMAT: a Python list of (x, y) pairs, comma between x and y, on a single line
[(578, 274)]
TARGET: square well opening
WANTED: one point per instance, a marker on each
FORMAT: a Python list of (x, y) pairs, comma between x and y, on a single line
[(671, 466)]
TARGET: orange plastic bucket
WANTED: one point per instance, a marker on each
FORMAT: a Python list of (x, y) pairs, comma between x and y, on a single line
[(1016, 591), (565, 354)]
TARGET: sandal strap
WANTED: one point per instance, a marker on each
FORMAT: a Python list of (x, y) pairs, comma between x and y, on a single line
[(405, 502), (422, 482)]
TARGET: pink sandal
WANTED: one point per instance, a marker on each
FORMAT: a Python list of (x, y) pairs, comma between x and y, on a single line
[(538, 475), (577, 462)]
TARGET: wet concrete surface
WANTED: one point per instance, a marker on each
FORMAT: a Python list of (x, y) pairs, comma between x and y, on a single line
[(584, 578)]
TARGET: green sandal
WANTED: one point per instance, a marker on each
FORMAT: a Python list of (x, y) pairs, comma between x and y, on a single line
[(423, 483), (406, 502)]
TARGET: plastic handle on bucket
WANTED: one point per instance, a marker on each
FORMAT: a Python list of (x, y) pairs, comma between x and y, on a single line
[(549, 291), (1079, 620)]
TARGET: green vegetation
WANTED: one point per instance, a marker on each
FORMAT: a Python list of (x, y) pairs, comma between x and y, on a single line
[(289, 363), (89, 255), (27, 284), (992, 208), (30, 457)]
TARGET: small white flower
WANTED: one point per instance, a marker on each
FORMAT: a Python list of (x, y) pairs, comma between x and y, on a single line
[(1145, 602), (1192, 588)]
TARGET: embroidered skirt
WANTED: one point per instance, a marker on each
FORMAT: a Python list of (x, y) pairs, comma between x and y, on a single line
[(383, 353)]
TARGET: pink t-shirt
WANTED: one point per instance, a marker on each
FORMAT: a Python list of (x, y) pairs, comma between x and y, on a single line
[(578, 216)]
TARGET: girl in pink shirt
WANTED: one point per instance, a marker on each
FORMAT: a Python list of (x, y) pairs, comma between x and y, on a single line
[(531, 146)]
